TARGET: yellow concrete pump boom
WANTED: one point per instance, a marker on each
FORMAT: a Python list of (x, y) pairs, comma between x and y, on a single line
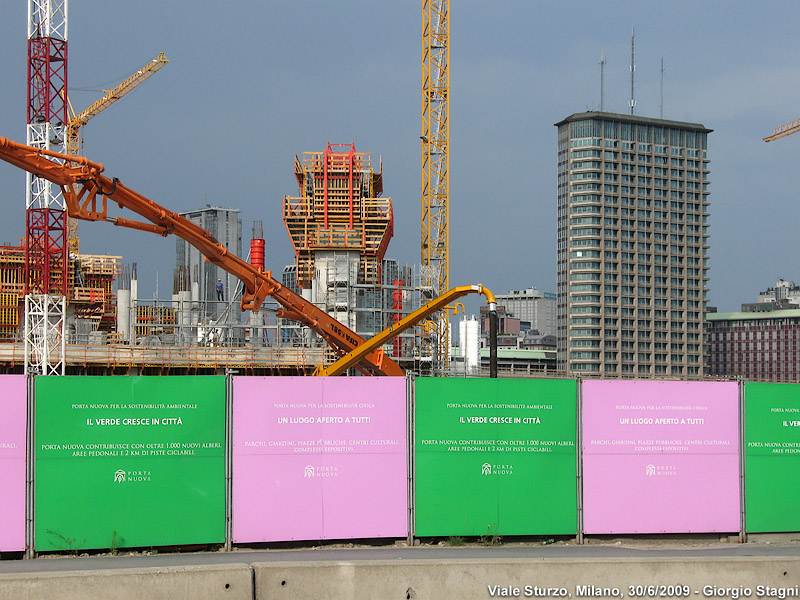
[(356, 354)]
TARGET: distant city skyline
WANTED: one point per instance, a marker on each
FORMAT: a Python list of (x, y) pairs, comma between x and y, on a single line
[(244, 92)]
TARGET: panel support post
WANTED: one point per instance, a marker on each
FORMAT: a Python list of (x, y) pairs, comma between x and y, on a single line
[(493, 340), (30, 542), (742, 461)]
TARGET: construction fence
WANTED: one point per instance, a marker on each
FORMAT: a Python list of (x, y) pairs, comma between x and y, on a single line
[(131, 462)]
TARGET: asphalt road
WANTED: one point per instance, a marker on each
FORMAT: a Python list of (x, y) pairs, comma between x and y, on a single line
[(635, 548)]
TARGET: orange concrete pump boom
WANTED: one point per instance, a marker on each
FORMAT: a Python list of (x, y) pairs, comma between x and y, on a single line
[(86, 192)]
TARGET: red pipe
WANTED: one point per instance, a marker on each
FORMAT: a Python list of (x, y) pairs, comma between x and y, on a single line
[(257, 254)]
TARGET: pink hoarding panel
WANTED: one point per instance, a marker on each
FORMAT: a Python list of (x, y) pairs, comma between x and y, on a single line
[(319, 458), (359, 506), (660, 457), (273, 501), (13, 404)]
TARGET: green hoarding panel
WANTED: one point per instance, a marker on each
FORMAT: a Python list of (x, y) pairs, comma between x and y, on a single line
[(129, 462), (495, 457), (772, 457)]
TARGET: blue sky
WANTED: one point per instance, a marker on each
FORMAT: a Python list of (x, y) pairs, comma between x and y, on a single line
[(252, 83)]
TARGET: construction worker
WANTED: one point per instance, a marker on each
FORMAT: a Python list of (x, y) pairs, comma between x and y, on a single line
[(220, 290)]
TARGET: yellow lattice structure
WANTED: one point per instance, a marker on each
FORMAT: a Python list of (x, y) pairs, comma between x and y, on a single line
[(435, 238), (73, 141)]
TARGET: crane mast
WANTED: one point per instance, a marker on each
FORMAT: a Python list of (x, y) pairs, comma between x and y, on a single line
[(73, 138), (45, 267), (45, 242), (435, 234)]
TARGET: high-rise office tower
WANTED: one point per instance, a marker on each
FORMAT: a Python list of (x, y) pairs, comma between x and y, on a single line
[(531, 305), (632, 245)]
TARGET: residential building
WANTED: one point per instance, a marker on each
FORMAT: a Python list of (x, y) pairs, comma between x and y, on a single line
[(632, 245), (783, 290), (757, 345), (782, 304)]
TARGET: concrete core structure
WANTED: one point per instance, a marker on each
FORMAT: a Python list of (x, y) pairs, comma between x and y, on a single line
[(225, 225)]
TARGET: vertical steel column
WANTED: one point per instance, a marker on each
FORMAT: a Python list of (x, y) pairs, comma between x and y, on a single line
[(493, 343), (30, 490), (742, 461), (228, 462), (579, 454), (46, 252), (44, 328), (46, 239), (46, 261), (434, 339), (410, 454)]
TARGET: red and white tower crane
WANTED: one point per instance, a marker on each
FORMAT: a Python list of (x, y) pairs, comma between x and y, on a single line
[(46, 264), (45, 253)]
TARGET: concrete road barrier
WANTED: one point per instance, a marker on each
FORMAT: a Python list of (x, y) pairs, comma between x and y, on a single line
[(685, 578), (745, 578), (213, 582)]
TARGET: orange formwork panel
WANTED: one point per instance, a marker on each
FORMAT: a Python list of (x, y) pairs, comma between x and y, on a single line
[(338, 209)]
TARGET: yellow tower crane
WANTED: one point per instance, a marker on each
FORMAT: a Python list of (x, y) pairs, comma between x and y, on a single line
[(435, 239), (73, 141), (784, 130)]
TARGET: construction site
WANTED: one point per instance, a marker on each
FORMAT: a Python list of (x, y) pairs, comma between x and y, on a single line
[(305, 424), (63, 311)]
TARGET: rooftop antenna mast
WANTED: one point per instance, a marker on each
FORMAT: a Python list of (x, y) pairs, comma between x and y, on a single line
[(633, 68), (662, 88), (602, 82)]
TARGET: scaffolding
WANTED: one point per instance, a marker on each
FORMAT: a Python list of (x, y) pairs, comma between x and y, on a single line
[(12, 291), (90, 292), (44, 339), (367, 308), (339, 209), (91, 289), (187, 322)]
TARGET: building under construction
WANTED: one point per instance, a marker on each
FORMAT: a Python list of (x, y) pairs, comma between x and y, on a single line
[(340, 228), (87, 316), (90, 293)]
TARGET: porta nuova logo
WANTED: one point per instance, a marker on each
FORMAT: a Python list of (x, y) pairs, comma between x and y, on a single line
[(652, 470), (123, 476), (312, 471), (497, 469)]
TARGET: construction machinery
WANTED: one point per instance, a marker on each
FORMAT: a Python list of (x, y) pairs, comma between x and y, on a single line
[(87, 193), (76, 121), (784, 130), (435, 233), (352, 357)]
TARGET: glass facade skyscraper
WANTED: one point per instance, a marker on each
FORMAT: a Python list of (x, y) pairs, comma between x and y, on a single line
[(632, 245)]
